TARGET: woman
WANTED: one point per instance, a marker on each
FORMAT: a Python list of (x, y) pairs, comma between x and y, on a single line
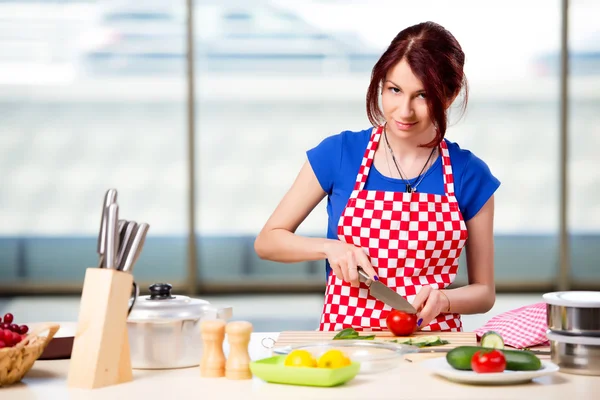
[(403, 201)]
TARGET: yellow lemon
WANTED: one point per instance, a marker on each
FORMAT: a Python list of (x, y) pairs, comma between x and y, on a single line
[(333, 359), (300, 358)]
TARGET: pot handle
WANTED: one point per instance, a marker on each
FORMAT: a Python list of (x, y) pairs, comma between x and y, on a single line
[(134, 296)]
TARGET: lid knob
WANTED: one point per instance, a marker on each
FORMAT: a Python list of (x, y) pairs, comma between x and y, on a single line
[(160, 291)]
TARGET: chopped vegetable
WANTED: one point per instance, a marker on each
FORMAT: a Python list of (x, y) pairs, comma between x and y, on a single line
[(423, 341), (492, 340), (351, 334)]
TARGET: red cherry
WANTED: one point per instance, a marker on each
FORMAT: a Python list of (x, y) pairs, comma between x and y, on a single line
[(4, 325), (8, 338), (14, 328), (2, 344), (2, 334), (23, 329), (16, 338), (8, 318)]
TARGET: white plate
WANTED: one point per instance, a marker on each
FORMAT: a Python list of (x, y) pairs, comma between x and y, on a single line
[(441, 367)]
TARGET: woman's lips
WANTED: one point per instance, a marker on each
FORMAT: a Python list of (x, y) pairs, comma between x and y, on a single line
[(404, 126)]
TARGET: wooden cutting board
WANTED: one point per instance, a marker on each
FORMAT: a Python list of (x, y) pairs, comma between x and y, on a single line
[(455, 339)]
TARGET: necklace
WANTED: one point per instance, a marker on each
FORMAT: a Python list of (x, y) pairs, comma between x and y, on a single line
[(409, 188)]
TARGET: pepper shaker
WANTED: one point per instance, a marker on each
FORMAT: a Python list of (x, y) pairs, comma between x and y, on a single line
[(238, 362), (213, 361)]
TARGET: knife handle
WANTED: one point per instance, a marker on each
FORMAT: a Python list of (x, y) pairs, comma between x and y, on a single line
[(363, 277), (109, 198)]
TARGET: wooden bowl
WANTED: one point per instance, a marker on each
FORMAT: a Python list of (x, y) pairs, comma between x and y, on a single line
[(16, 361)]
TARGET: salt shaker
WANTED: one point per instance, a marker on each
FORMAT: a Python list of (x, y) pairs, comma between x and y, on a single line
[(213, 358), (238, 361)]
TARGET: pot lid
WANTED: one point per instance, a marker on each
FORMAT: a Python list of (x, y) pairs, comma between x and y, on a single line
[(585, 299), (162, 305)]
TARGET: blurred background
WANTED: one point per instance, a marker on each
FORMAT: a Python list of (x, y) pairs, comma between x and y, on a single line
[(96, 95)]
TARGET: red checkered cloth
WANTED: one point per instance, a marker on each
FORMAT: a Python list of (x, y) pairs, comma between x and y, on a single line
[(520, 328)]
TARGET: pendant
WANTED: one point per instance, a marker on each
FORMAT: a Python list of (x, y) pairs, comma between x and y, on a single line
[(409, 189)]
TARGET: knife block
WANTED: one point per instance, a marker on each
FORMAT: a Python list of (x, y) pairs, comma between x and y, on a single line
[(101, 355)]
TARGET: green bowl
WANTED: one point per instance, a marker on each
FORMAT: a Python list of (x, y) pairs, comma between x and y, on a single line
[(272, 370)]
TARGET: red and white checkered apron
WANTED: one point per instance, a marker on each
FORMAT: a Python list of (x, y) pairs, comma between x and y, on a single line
[(412, 240)]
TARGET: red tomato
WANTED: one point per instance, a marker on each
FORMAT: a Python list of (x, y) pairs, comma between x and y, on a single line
[(401, 323), (485, 361)]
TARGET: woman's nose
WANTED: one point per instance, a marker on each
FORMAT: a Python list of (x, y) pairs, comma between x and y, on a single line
[(405, 109)]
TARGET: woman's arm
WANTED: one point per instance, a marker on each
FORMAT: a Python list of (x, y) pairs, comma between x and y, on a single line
[(277, 240), (479, 295)]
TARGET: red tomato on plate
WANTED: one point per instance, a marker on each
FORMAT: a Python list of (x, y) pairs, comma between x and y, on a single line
[(485, 361), (401, 323)]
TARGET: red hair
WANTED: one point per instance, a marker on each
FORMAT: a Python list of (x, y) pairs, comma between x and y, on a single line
[(436, 59)]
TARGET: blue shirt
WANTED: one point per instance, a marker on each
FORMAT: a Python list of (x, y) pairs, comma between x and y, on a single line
[(335, 162)]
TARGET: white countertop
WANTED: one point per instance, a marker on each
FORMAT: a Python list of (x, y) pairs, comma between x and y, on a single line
[(47, 380)]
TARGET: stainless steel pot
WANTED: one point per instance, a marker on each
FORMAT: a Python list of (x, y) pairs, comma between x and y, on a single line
[(573, 312), (575, 354), (164, 330)]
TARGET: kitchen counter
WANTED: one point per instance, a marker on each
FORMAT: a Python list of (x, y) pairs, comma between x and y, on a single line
[(47, 380)]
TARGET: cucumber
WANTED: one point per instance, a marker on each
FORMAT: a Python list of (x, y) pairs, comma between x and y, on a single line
[(516, 360), (425, 339), (492, 340), (421, 341)]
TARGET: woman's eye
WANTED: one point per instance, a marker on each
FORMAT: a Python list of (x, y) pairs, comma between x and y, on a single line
[(395, 90), (422, 95)]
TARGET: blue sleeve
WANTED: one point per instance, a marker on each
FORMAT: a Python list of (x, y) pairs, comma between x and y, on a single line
[(325, 160), (477, 185)]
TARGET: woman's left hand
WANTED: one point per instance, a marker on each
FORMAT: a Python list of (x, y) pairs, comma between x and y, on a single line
[(429, 303)]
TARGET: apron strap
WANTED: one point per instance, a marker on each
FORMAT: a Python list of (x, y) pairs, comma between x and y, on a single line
[(447, 169), (367, 161)]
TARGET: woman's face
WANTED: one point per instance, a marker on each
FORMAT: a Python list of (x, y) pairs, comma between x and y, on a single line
[(404, 104)]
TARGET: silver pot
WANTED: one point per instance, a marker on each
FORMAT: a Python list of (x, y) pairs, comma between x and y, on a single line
[(164, 330), (575, 354), (573, 312)]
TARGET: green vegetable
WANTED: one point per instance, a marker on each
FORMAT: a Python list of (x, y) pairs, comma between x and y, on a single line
[(351, 334), (516, 360), (422, 341), (492, 340)]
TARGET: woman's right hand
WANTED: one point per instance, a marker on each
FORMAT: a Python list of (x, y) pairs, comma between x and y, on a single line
[(345, 258)]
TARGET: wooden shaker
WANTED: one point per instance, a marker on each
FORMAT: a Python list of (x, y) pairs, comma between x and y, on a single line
[(238, 362), (212, 364)]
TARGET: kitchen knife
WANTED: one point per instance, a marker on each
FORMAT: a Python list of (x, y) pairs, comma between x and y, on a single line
[(112, 236), (385, 294), (126, 241), (132, 255), (122, 224), (109, 198)]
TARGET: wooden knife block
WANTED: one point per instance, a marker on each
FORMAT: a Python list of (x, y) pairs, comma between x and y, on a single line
[(100, 355)]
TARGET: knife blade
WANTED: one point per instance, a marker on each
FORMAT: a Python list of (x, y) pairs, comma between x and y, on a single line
[(132, 255), (109, 198), (383, 293), (112, 235)]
